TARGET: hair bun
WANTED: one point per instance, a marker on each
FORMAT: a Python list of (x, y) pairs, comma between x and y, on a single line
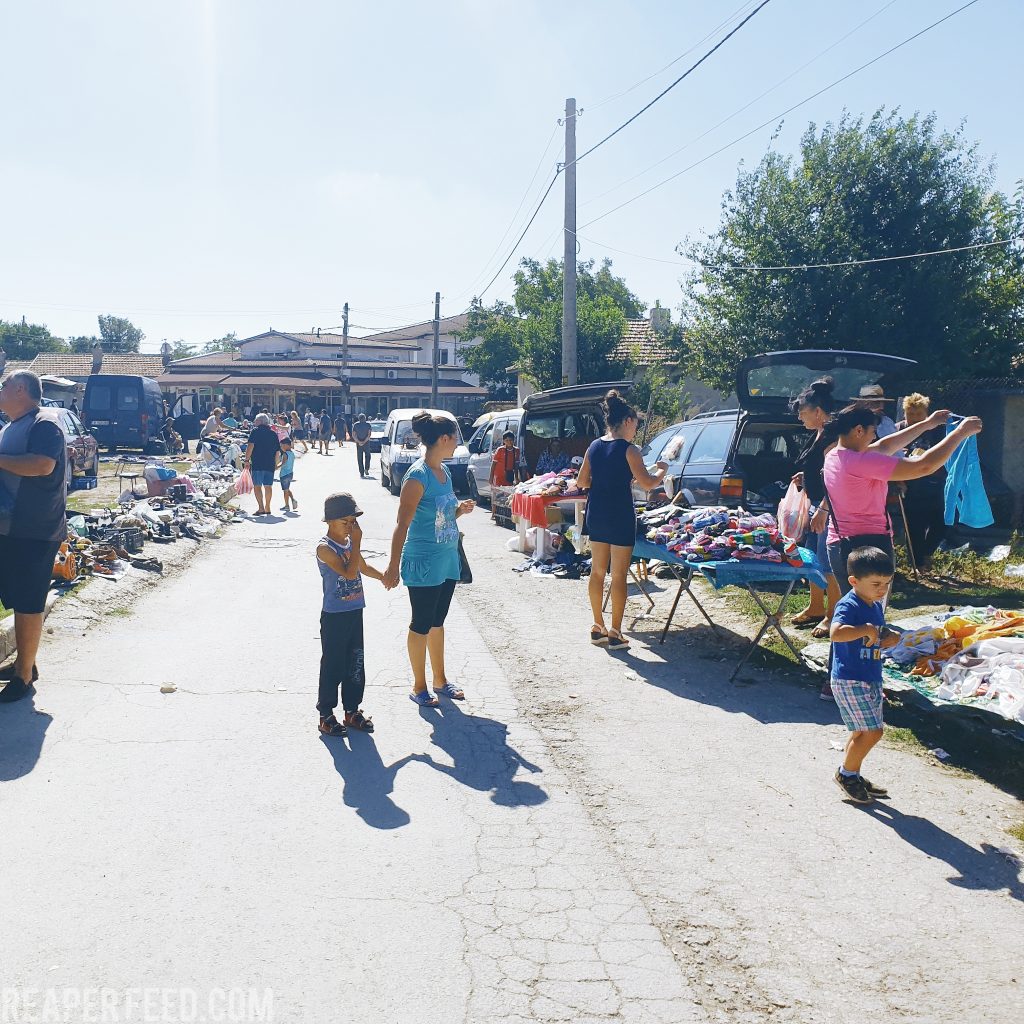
[(823, 386), (421, 418)]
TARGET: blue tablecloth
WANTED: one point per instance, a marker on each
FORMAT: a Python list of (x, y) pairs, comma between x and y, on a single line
[(737, 572)]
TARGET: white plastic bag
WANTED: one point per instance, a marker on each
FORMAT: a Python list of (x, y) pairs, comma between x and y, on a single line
[(794, 514)]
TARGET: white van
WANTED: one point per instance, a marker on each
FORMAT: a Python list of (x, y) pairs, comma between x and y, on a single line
[(400, 447), (485, 441)]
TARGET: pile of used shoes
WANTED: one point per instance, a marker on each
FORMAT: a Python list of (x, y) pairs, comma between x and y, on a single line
[(718, 534)]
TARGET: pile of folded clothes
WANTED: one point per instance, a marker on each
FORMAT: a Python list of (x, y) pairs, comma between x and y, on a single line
[(551, 485), (718, 534)]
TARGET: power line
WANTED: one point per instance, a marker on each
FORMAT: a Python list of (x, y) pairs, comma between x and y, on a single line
[(729, 268), (777, 117), (671, 63), (529, 224), (670, 87), (738, 111)]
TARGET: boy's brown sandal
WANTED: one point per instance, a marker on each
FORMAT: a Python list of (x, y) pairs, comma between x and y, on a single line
[(357, 720)]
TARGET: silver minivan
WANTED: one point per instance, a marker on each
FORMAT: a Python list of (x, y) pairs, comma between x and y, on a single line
[(482, 446)]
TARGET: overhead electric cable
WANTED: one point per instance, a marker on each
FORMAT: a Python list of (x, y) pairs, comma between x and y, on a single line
[(739, 110), (725, 268), (775, 119), (672, 63), (671, 86)]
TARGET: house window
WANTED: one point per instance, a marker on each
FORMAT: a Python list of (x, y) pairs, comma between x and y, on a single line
[(443, 357)]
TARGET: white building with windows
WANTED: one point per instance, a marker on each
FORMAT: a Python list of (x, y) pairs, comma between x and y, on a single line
[(283, 370)]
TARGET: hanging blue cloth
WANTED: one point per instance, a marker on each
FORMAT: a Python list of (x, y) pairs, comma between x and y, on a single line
[(965, 490)]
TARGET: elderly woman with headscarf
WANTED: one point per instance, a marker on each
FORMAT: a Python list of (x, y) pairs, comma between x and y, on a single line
[(262, 455)]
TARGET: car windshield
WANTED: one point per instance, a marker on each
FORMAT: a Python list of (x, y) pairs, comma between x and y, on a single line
[(377, 426), (405, 435)]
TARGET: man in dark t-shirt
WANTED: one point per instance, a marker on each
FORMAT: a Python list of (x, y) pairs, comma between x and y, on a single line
[(361, 436), (33, 469), (262, 456)]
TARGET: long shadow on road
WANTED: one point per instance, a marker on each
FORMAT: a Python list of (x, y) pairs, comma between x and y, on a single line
[(22, 733), (988, 868), (369, 783), (481, 756)]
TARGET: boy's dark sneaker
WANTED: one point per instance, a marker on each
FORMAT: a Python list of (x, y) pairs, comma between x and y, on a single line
[(16, 689), (875, 791), (7, 674), (854, 788), (330, 726)]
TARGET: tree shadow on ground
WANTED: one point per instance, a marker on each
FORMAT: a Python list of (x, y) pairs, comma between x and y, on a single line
[(22, 734), (481, 756), (985, 869), (369, 783)]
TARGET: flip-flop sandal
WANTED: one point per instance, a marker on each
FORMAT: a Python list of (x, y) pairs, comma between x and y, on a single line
[(425, 699), (821, 630), (357, 720), (803, 621), (451, 691)]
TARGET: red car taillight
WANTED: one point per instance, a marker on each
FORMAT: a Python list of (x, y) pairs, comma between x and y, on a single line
[(731, 487)]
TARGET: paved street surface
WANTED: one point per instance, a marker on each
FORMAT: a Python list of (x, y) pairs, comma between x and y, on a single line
[(587, 838)]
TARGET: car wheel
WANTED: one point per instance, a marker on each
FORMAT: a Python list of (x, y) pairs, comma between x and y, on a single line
[(471, 488), (383, 478), (395, 488)]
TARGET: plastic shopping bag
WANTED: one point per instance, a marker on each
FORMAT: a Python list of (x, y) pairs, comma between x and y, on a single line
[(794, 514), (244, 484)]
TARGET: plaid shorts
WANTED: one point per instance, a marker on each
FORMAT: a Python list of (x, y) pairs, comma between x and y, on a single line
[(860, 704)]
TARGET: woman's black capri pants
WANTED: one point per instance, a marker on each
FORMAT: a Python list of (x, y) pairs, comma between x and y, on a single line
[(430, 606)]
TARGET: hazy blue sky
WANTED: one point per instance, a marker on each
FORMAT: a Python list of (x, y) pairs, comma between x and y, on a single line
[(203, 166)]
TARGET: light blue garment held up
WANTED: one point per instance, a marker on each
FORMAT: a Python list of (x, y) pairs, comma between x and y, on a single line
[(965, 490)]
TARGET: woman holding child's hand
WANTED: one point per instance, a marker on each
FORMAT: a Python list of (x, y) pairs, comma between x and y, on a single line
[(425, 553)]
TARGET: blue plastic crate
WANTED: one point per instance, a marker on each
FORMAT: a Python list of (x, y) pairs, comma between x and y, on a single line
[(83, 483)]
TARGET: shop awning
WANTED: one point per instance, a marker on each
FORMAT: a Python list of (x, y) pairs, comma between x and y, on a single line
[(392, 387), (292, 383), (189, 380)]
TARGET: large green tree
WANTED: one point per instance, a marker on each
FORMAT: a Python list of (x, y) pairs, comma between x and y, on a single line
[(887, 186), (22, 340), (119, 334), (528, 333)]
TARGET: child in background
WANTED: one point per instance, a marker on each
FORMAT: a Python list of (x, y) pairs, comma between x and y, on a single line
[(505, 468), (858, 636), (287, 471), (341, 567)]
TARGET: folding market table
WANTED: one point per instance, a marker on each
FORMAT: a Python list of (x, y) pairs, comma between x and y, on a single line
[(750, 575)]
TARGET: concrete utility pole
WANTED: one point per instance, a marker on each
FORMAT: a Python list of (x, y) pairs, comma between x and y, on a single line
[(346, 392), (433, 368), (569, 253)]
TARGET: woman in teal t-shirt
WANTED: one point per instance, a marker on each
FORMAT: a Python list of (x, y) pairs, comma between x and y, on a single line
[(425, 550)]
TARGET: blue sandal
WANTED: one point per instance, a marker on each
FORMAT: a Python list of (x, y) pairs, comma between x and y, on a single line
[(450, 690), (425, 699)]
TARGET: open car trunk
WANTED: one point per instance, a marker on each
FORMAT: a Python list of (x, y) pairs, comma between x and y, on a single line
[(765, 454)]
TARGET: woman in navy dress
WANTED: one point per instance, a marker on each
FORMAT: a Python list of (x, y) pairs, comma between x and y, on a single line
[(611, 465)]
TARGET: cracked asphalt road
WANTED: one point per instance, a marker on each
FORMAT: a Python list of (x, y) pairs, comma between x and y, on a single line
[(443, 869)]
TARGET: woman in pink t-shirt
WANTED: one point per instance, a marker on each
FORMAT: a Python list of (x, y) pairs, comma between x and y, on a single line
[(857, 474)]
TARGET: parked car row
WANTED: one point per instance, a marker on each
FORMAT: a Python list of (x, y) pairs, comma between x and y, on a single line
[(742, 456)]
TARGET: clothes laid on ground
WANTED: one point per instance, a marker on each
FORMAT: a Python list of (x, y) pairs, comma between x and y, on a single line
[(965, 497), (857, 484), (431, 551), (857, 659), (971, 656), (265, 446), (37, 502), (610, 516)]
